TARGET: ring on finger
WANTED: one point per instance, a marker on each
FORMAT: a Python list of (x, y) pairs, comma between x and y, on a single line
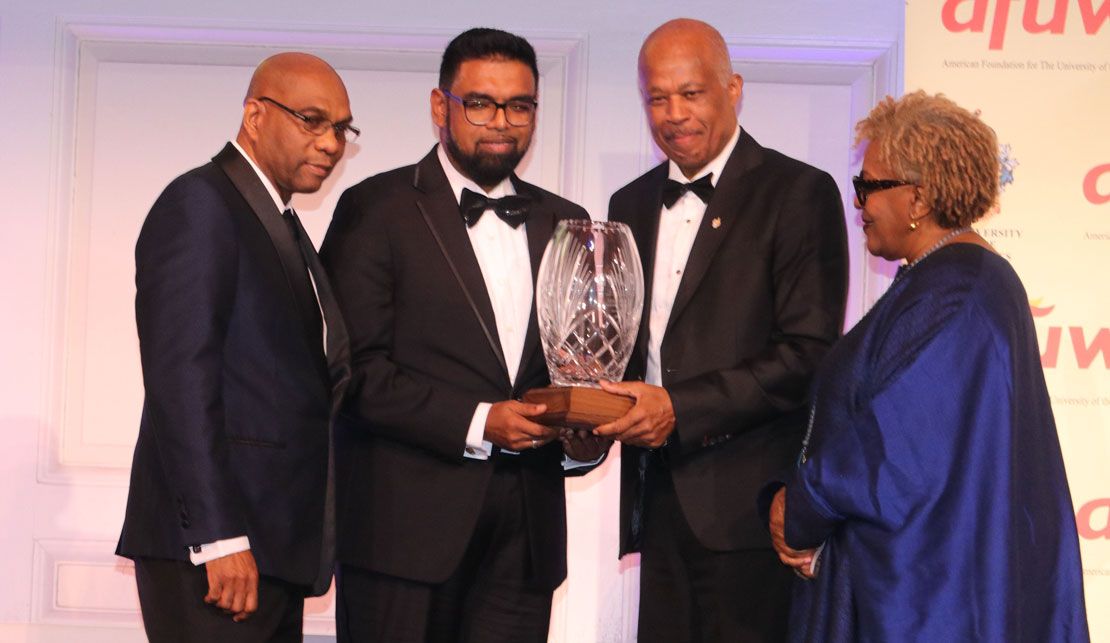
[(534, 443)]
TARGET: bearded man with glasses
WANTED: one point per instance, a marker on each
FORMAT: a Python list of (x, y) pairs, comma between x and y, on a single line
[(452, 521)]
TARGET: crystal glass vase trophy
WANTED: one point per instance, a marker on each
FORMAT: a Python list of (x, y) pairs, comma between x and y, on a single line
[(589, 300)]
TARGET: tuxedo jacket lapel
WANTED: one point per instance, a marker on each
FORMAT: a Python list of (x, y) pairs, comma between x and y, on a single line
[(293, 263), (338, 353), (440, 210), (539, 228), (721, 215), (645, 230), (337, 344)]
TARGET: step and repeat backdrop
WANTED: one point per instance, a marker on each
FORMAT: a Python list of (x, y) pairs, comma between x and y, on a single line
[(1038, 72)]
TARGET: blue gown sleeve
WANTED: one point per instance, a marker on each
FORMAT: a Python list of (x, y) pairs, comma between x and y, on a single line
[(866, 465)]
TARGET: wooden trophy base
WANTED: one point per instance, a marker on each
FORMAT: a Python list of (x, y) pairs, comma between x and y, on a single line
[(578, 407)]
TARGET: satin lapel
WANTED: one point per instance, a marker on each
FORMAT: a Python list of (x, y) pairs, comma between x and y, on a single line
[(721, 215), (440, 210), (539, 228), (338, 352), (645, 230), (338, 349), (246, 181)]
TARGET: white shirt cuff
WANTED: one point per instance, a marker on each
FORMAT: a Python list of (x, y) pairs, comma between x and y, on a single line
[(476, 447), (218, 549), (570, 463)]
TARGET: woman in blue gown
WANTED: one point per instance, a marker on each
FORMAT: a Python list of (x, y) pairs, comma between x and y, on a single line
[(930, 502)]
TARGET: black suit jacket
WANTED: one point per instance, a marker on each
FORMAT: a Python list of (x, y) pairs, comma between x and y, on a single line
[(234, 438), (760, 302), (425, 352)]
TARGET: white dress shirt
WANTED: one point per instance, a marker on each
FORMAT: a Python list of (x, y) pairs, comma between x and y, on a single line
[(502, 253), (678, 226)]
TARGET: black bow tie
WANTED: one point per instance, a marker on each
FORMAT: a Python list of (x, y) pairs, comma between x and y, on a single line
[(673, 190), (512, 209)]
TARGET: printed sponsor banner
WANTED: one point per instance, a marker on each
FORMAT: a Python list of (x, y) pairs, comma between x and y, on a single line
[(1038, 72)]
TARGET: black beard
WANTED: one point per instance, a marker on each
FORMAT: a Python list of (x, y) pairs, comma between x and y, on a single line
[(483, 169)]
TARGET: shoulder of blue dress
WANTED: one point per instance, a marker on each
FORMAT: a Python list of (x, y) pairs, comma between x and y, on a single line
[(951, 266)]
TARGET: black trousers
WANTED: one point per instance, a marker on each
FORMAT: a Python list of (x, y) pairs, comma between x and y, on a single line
[(691, 594), (171, 595), (490, 598)]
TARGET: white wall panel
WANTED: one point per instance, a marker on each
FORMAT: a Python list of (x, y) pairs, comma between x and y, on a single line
[(81, 582), (803, 98)]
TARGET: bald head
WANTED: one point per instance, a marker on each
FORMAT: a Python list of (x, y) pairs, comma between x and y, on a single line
[(275, 73), (690, 92), (692, 39), (284, 90)]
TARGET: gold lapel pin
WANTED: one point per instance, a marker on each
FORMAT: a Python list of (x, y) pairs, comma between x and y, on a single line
[(716, 223)]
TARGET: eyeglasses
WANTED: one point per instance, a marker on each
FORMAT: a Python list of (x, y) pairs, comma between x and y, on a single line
[(867, 186), (480, 111), (317, 126)]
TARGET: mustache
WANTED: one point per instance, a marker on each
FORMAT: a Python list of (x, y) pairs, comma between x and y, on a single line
[(671, 133), (498, 139)]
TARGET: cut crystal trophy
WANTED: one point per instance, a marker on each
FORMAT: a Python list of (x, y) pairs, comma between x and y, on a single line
[(589, 300)]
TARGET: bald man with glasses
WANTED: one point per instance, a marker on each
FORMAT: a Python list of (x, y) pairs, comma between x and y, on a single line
[(230, 515)]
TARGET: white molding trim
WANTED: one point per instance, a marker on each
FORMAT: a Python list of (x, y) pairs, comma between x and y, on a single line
[(105, 581), (83, 42), (319, 613), (630, 605), (813, 62), (106, 593), (557, 625), (870, 69)]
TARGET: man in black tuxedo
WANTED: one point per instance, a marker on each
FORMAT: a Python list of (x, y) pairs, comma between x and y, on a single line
[(452, 525), (745, 259), (230, 513)]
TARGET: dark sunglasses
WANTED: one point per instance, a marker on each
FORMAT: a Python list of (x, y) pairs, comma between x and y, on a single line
[(867, 186)]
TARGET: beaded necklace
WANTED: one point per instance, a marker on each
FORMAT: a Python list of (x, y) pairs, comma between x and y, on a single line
[(936, 246)]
